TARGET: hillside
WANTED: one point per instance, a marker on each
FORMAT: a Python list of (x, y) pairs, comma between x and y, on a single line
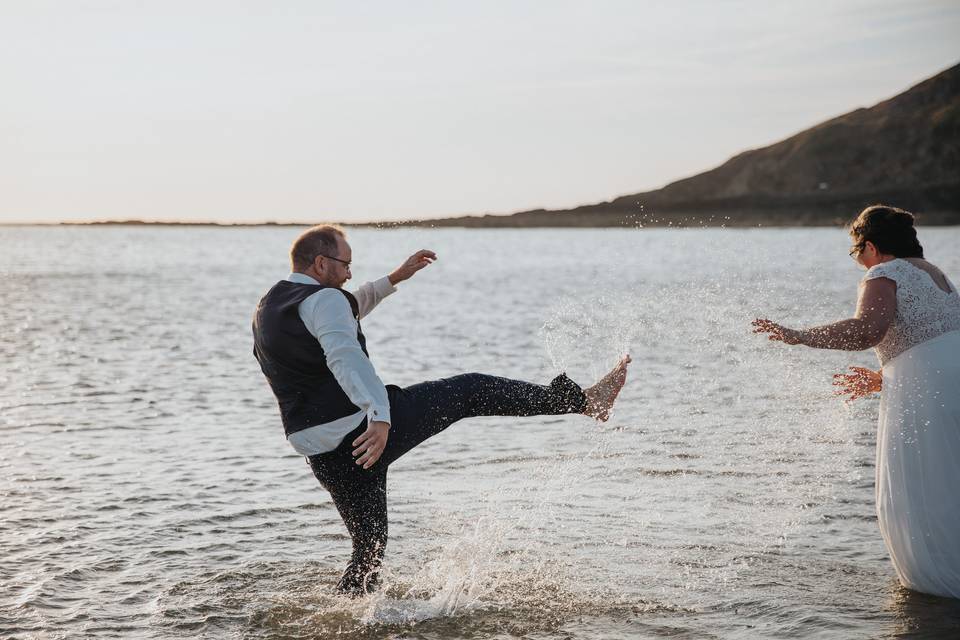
[(904, 151)]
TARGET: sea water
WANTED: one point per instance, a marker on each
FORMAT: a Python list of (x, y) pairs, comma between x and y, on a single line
[(147, 491)]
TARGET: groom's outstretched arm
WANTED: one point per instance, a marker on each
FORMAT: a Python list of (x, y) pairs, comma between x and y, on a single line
[(370, 294)]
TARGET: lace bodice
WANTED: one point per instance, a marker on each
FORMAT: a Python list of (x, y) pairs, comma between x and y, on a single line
[(924, 310)]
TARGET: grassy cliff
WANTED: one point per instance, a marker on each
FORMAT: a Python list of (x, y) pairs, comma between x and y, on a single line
[(904, 151)]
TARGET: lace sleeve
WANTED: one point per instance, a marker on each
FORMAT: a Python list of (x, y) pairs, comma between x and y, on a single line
[(883, 270), (953, 289), (924, 310)]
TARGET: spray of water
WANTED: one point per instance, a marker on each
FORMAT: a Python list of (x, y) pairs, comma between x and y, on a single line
[(721, 450)]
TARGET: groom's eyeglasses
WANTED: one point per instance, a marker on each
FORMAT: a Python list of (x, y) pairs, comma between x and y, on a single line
[(345, 263)]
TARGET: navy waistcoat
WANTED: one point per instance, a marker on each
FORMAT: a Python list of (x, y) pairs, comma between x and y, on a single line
[(293, 360)]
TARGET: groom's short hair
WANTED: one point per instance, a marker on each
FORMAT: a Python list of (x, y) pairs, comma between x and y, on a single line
[(321, 240)]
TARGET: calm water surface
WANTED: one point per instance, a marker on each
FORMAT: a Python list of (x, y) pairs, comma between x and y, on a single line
[(146, 489)]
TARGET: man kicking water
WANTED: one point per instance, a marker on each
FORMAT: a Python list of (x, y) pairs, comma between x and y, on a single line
[(337, 412)]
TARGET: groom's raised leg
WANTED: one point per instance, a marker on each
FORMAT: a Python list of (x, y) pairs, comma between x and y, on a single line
[(424, 410)]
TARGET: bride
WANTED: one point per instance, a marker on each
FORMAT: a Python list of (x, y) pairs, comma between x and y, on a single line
[(910, 312)]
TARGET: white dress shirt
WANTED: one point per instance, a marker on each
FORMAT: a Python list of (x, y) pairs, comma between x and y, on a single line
[(328, 317)]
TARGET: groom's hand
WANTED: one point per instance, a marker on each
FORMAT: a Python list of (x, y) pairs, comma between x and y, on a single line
[(411, 265), (371, 443)]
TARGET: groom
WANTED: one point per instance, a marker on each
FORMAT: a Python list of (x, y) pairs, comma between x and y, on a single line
[(337, 412)]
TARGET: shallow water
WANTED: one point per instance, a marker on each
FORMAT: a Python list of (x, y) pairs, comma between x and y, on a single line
[(147, 490)]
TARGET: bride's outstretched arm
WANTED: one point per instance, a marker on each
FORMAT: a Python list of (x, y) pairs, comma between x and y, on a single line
[(876, 307)]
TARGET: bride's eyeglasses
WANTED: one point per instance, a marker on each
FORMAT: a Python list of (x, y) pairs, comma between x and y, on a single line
[(856, 251)]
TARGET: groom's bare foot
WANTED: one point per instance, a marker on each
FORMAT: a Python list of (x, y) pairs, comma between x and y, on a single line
[(601, 396)]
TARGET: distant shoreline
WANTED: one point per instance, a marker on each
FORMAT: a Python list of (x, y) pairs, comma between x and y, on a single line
[(510, 222), (443, 224)]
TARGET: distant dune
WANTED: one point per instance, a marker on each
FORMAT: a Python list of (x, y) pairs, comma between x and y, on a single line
[(904, 151)]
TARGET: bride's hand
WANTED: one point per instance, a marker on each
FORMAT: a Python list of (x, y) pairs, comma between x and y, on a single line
[(862, 382), (776, 331)]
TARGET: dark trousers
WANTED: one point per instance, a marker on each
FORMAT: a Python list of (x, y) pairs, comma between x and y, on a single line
[(417, 413)]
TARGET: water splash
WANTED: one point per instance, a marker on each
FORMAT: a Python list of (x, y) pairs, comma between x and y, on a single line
[(457, 579)]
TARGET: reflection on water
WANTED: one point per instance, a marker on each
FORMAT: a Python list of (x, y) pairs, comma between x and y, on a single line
[(147, 490), (918, 615)]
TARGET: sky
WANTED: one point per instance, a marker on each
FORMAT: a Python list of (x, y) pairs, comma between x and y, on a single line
[(309, 111)]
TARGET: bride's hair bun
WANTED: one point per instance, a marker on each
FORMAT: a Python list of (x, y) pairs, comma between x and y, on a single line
[(890, 229), (900, 217)]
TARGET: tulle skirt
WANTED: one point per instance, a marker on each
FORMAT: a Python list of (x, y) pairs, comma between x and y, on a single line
[(918, 465)]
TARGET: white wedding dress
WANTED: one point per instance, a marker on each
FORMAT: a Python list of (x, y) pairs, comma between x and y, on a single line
[(918, 443)]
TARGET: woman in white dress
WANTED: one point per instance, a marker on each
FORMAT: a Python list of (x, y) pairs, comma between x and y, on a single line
[(910, 312)]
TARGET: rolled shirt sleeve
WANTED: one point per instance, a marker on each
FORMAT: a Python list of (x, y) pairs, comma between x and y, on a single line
[(327, 315), (370, 294)]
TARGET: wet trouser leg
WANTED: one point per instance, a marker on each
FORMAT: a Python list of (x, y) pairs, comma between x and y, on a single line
[(361, 499), (417, 413)]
